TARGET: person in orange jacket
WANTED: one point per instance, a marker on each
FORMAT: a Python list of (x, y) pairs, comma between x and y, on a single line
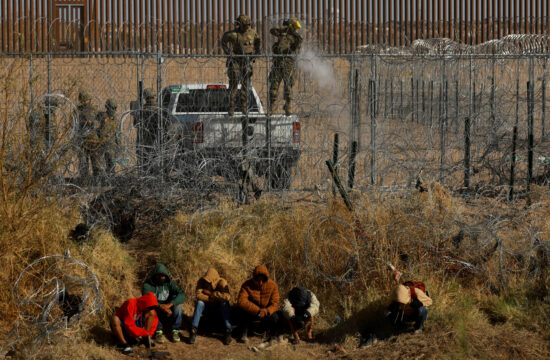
[(136, 320), (258, 301)]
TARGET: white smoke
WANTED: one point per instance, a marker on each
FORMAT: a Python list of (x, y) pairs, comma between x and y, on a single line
[(320, 70)]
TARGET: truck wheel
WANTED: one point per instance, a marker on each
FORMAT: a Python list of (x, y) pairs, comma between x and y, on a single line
[(280, 176)]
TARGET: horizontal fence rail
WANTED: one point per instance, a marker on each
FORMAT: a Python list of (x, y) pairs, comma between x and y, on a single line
[(195, 27)]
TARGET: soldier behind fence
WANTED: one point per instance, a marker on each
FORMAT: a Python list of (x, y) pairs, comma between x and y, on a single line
[(242, 40), (87, 138), (107, 121), (148, 129), (287, 45), (40, 124)]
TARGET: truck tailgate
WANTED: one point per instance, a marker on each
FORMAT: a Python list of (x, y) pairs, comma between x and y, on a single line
[(224, 131)]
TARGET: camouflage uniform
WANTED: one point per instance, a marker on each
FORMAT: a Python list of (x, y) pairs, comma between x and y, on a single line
[(107, 132), (240, 41), (288, 44), (148, 128), (87, 136), (40, 123)]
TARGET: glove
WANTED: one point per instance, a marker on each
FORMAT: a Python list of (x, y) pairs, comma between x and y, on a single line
[(416, 304)]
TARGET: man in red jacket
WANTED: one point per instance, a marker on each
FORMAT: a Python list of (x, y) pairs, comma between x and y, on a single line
[(135, 320)]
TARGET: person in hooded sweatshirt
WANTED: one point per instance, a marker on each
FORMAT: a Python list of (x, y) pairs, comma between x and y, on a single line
[(299, 309), (258, 302), (170, 298), (213, 299), (135, 321)]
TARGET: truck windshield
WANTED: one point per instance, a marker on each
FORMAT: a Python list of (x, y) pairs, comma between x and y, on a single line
[(211, 100)]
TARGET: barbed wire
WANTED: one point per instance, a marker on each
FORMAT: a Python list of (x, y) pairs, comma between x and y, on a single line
[(53, 295)]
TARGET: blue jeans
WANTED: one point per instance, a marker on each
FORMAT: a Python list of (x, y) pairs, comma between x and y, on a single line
[(419, 318), (170, 321), (203, 308)]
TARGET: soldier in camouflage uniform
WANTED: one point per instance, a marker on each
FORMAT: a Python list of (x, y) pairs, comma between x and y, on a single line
[(107, 132), (149, 129), (242, 40), (40, 123), (87, 137), (287, 45)]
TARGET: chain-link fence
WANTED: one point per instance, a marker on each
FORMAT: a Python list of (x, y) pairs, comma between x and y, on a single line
[(469, 122)]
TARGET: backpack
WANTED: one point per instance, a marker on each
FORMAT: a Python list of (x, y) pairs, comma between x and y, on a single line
[(415, 284)]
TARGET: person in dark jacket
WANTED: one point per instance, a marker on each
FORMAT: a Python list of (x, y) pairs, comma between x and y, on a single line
[(135, 320), (213, 298), (170, 298), (299, 309)]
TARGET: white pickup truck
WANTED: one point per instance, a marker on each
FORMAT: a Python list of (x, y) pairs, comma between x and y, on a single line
[(198, 119)]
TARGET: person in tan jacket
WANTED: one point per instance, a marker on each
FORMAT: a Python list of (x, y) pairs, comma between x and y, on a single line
[(212, 298), (258, 302), (408, 303)]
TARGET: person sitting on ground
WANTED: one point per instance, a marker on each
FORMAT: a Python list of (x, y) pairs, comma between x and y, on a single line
[(408, 303), (299, 309), (170, 298), (258, 302), (212, 298), (135, 321)]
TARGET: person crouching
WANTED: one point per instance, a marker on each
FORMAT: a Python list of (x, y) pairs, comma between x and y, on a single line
[(299, 309), (409, 301), (135, 321)]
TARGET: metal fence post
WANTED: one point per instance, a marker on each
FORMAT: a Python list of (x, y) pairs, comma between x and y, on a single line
[(31, 86), (372, 90), (160, 127), (268, 128), (530, 122), (442, 119), (514, 142), (543, 105)]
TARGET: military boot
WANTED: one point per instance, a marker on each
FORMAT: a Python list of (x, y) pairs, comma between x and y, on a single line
[(287, 108), (271, 105)]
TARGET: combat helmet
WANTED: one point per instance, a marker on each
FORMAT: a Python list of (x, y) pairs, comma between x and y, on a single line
[(293, 24), (243, 20), (148, 94), (83, 96), (111, 104)]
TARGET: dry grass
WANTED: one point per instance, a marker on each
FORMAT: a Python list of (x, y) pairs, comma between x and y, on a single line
[(418, 225)]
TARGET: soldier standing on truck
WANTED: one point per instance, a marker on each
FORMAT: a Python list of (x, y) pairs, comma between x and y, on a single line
[(107, 135), (87, 137), (287, 46), (242, 40)]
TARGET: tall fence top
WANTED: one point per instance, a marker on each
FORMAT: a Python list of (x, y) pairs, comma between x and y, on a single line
[(176, 27)]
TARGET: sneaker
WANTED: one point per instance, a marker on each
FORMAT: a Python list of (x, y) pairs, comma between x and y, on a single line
[(244, 339), (175, 336), (159, 337), (193, 336), (418, 332), (371, 340), (127, 350), (227, 338)]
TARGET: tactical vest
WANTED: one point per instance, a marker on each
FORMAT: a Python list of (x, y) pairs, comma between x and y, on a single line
[(245, 42), (286, 44)]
